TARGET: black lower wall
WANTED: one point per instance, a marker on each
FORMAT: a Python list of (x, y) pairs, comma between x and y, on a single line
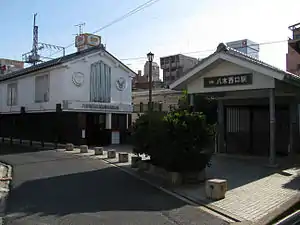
[(61, 127), (47, 127)]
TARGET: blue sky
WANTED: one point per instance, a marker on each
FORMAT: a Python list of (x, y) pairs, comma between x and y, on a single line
[(166, 27)]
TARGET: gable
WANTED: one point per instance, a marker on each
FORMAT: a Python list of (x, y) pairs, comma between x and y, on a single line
[(228, 76)]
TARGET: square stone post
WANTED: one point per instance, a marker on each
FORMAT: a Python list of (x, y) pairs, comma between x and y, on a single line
[(220, 129), (272, 156)]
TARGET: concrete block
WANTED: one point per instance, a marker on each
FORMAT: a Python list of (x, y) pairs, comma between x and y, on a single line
[(215, 189), (84, 149), (69, 147), (123, 157), (111, 154), (98, 150), (134, 161)]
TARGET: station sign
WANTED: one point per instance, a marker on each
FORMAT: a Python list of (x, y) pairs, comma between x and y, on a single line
[(238, 79)]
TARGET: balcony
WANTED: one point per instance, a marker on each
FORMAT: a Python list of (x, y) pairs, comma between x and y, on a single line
[(295, 41), (295, 44)]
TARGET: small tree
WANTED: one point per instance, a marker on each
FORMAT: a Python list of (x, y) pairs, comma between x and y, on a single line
[(178, 141)]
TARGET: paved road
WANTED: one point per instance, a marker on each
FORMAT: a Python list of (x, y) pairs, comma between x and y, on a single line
[(52, 187)]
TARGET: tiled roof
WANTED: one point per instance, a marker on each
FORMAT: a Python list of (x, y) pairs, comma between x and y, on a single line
[(231, 51), (55, 62)]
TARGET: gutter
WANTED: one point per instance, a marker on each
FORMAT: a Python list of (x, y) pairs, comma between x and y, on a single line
[(293, 79)]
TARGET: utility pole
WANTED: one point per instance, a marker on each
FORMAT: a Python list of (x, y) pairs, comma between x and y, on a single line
[(150, 56)]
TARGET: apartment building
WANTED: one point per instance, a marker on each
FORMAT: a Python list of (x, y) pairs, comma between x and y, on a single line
[(175, 66), (245, 46), (155, 71), (293, 55)]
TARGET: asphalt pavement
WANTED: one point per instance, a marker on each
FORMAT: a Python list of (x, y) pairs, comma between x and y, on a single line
[(51, 188)]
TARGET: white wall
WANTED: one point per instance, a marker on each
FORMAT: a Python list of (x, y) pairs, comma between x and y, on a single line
[(26, 92), (82, 93), (62, 87), (259, 81)]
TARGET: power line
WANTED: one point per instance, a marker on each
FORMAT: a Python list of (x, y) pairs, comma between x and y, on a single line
[(130, 13), (210, 50)]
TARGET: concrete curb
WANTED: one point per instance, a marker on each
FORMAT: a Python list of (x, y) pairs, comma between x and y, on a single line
[(278, 211)]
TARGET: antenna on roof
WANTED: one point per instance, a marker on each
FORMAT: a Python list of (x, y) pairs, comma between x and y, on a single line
[(80, 27), (33, 57)]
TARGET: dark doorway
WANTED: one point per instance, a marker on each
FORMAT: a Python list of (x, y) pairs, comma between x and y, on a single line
[(96, 134)]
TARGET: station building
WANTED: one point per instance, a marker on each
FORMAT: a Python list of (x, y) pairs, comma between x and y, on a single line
[(258, 104)]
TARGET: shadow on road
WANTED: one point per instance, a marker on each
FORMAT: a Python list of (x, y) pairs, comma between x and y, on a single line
[(107, 189)]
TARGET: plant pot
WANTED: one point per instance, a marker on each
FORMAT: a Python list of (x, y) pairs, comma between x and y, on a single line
[(135, 161)]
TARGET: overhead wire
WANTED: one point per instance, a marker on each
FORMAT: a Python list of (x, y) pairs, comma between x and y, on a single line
[(208, 50), (126, 15)]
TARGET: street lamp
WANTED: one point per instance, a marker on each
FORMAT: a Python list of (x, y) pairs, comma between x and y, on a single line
[(150, 57)]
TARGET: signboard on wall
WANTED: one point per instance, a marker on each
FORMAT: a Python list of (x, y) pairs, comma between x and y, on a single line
[(238, 79), (96, 106)]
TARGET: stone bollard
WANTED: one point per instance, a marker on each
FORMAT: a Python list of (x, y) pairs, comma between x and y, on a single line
[(84, 149), (134, 161), (69, 147), (111, 154), (123, 157), (216, 189), (98, 151)]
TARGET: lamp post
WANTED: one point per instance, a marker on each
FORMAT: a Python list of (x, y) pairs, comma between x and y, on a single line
[(150, 57)]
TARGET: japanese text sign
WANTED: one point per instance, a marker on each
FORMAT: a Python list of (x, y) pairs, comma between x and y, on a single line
[(239, 79)]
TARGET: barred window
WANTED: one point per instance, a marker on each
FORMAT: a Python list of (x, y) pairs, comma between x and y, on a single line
[(100, 82)]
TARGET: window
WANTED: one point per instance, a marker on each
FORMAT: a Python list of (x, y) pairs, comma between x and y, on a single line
[(100, 82), (42, 88), (12, 94)]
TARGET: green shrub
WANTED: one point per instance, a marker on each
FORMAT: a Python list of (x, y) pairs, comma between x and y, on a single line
[(179, 141)]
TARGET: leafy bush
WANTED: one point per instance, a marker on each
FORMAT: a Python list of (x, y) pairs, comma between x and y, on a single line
[(178, 141)]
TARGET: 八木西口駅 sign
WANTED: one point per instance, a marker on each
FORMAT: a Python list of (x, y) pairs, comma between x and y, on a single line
[(239, 79)]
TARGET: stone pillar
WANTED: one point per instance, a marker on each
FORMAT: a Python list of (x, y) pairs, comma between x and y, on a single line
[(293, 127), (220, 129), (82, 128), (108, 121), (127, 121), (192, 102), (272, 156)]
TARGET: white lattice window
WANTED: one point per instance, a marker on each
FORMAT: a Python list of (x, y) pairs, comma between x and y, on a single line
[(12, 94)]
